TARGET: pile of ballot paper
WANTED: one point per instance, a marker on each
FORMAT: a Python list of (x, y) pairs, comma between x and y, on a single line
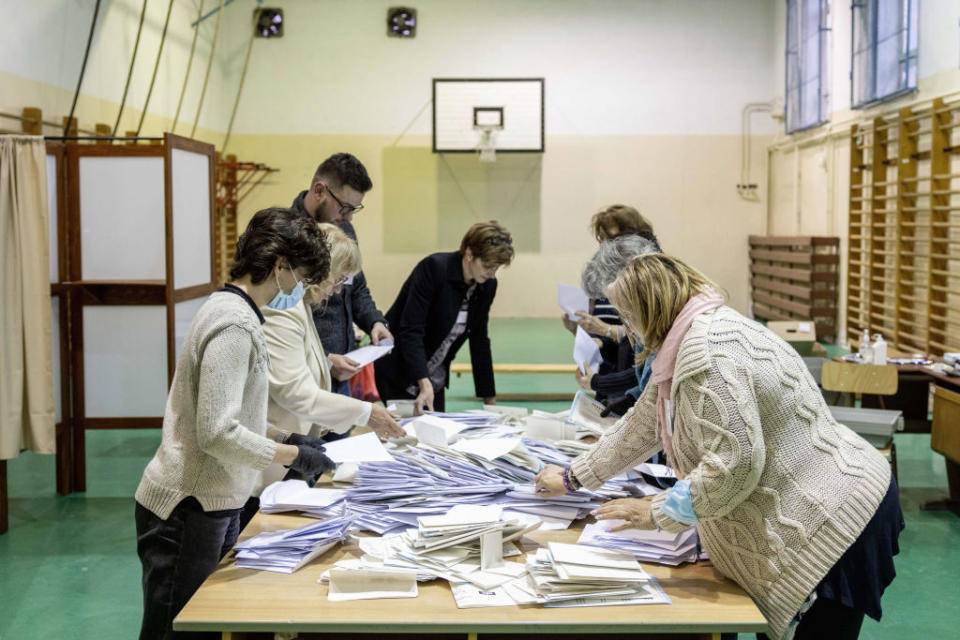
[(287, 550), (296, 495), (575, 575), (466, 544), (661, 547)]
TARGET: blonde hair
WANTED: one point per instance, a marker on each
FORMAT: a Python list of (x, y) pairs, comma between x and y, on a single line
[(651, 291), (624, 217), (344, 252)]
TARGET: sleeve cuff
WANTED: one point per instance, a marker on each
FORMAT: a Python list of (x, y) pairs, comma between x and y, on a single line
[(661, 519), (587, 478)]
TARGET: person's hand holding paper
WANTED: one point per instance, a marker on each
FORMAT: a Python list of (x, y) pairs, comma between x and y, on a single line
[(585, 350), (572, 299)]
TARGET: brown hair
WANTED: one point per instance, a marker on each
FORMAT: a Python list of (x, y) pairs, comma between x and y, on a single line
[(489, 241), (651, 291), (626, 219)]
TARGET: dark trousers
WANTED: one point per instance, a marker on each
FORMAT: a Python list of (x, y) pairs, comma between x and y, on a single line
[(827, 619), (177, 555)]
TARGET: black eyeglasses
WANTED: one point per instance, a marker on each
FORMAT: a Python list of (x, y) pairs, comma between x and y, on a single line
[(345, 207)]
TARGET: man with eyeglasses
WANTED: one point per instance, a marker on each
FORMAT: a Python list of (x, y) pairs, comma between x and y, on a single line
[(335, 195)]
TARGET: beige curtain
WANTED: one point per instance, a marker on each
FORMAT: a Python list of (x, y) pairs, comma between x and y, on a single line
[(26, 368)]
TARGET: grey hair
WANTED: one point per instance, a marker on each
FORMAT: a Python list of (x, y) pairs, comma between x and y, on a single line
[(612, 256)]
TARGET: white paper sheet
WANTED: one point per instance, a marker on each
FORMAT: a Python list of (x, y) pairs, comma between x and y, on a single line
[(435, 431), (487, 448), (548, 429), (363, 448), (365, 355), (586, 350), (572, 299)]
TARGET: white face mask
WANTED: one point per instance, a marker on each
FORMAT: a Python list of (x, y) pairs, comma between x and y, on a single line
[(283, 301)]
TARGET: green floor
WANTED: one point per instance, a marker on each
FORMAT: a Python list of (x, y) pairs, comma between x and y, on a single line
[(68, 566)]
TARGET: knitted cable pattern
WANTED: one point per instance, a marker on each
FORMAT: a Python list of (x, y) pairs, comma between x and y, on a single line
[(780, 489)]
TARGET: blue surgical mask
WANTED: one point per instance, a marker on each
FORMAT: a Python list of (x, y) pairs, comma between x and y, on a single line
[(283, 301)]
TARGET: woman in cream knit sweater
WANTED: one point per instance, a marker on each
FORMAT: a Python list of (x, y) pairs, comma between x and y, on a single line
[(796, 508)]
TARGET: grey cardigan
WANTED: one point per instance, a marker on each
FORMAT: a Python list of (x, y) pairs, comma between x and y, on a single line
[(213, 442)]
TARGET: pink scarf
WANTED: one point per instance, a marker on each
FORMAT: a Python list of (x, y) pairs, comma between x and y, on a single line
[(664, 365)]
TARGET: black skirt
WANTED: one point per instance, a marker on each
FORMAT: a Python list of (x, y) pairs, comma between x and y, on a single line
[(861, 574)]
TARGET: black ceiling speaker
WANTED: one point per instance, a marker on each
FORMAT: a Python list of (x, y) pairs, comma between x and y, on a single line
[(269, 23), (401, 22)]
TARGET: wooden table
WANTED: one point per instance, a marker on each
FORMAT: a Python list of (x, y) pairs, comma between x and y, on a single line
[(237, 602)]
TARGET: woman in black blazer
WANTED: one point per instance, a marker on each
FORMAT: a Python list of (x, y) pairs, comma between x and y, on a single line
[(445, 300)]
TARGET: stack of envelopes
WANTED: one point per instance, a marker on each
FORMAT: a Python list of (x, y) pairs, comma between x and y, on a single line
[(454, 546), (565, 575), (287, 550), (296, 495), (661, 547)]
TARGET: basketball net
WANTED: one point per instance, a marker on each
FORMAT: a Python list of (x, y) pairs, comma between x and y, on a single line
[(487, 144)]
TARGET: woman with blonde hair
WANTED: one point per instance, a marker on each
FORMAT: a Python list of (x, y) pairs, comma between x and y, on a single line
[(301, 401), (796, 508)]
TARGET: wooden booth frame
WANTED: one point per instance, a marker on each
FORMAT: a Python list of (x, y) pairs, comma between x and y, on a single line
[(83, 293)]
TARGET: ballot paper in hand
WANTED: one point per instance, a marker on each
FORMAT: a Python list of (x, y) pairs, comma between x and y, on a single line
[(365, 355), (363, 448), (585, 413), (572, 299), (585, 350)]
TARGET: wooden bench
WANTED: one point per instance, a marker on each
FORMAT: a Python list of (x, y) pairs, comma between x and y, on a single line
[(569, 369)]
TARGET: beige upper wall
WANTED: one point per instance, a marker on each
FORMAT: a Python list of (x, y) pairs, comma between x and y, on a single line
[(809, 172), (643, 106), (42, 47)]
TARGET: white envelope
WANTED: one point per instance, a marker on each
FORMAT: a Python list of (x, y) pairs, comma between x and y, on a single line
[(586, 350), (572, 299), (371, 584)]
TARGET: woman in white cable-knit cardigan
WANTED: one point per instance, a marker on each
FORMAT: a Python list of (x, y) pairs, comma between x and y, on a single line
[(796, 508)]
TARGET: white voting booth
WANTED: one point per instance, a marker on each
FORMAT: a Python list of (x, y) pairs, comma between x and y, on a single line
[(131, 262)]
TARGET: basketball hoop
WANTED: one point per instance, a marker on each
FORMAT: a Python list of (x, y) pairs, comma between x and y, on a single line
[(488, 141)]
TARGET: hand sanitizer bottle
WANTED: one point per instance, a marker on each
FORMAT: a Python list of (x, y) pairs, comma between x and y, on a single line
[(865, 350), (879, 350)]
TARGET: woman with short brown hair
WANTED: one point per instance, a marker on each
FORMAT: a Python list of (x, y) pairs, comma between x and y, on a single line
[(445, 300)]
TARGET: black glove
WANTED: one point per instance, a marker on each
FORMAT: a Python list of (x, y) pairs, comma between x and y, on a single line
[(617, 406), (299, 440), (311, 461)]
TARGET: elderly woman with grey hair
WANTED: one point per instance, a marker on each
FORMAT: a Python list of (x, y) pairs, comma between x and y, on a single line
[(621, 389)]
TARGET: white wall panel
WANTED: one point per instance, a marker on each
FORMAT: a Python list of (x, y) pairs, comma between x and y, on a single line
[(122, 218), (125, 360), (191, 218)]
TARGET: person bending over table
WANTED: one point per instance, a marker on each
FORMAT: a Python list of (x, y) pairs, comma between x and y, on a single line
[(301, 396), (445, 300), (618, 390), (797, 509), (215, 433)]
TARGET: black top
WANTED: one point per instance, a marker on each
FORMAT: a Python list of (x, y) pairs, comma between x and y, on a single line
[(423, 315), (232, 288), (334, 320)]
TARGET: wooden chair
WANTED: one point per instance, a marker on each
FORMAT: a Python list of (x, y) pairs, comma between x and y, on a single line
[(858, 379), (945, 440)]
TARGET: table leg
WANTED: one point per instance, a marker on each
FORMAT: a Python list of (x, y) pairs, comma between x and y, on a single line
[(952, 501)]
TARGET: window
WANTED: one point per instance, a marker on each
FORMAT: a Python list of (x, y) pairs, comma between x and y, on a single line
[(884, 50), (806, 103)]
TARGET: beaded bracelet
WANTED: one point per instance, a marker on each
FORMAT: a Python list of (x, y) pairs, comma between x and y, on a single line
[(570, 480)]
